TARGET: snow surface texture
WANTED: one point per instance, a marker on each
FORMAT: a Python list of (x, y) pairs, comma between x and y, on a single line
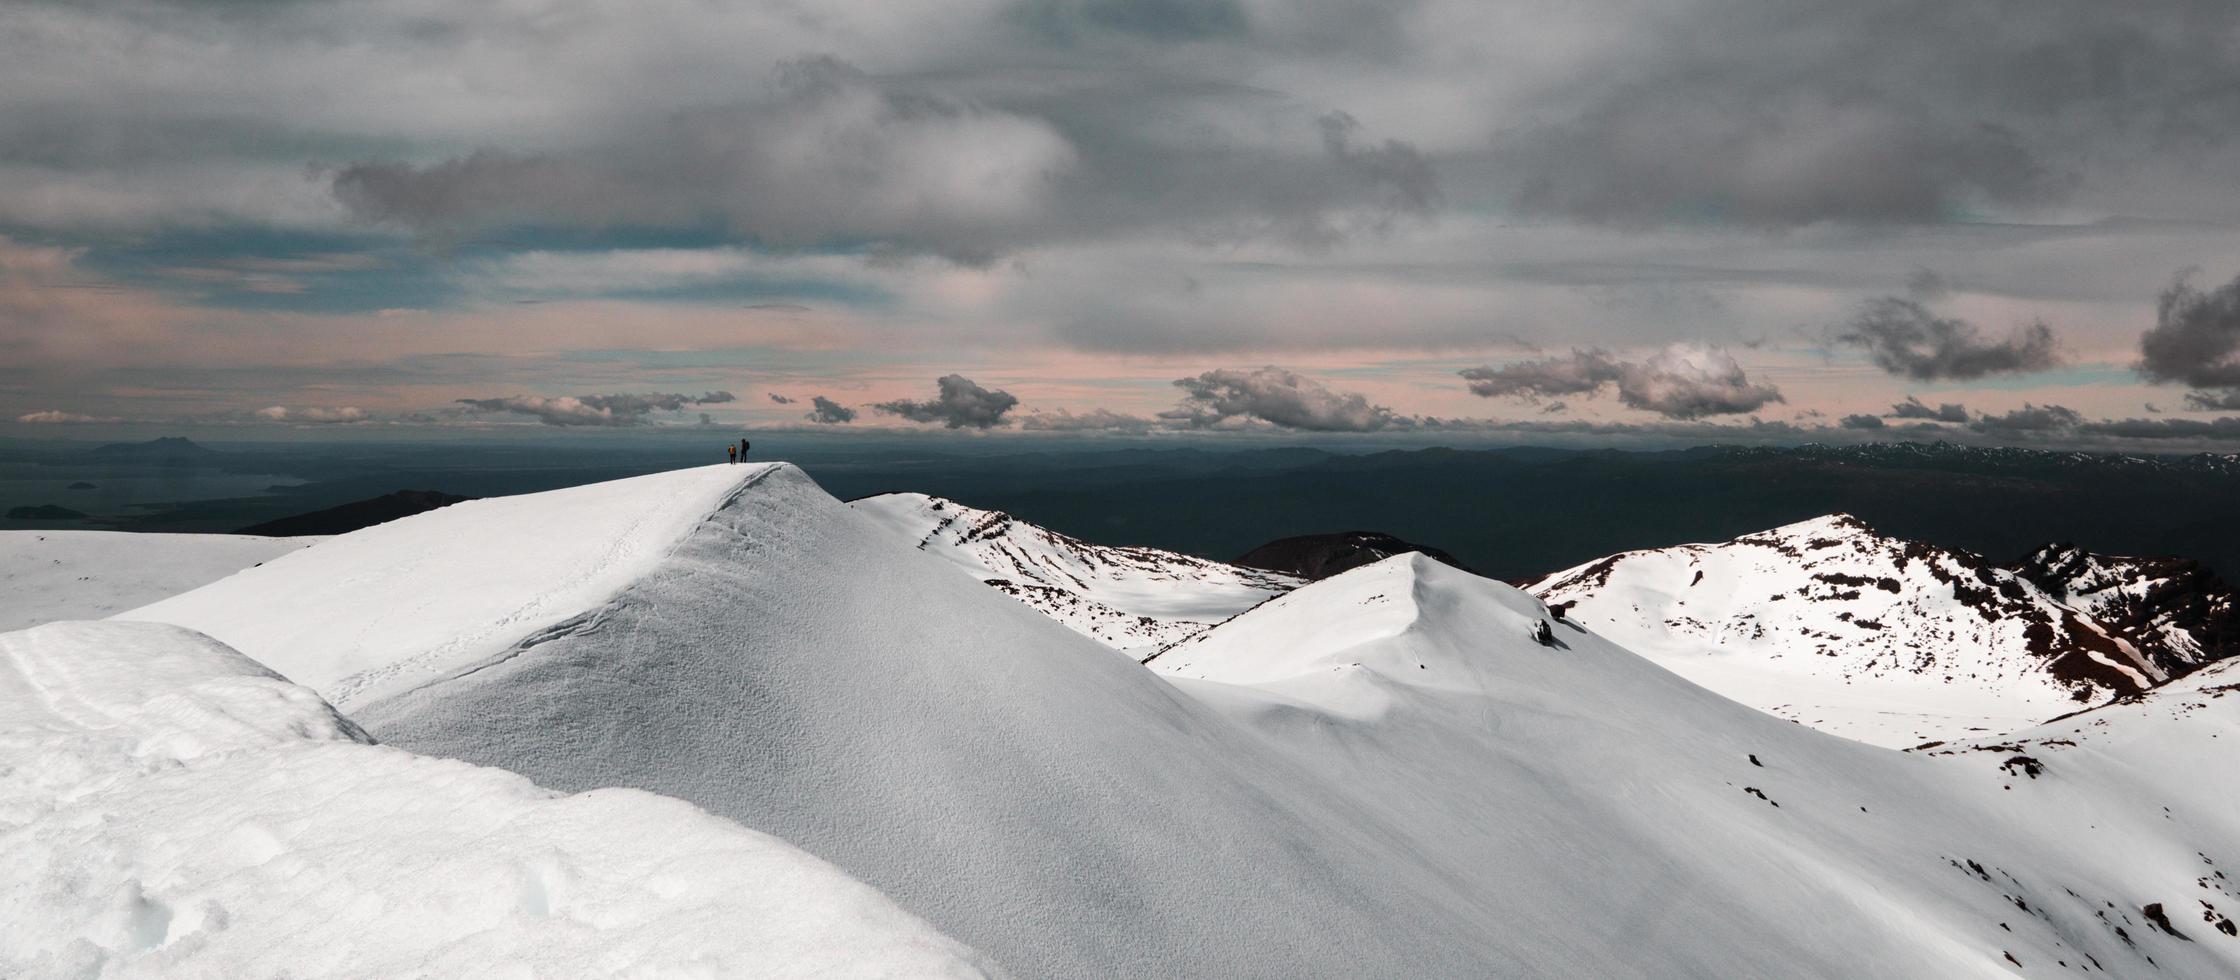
[(169, 808), (377, 611), (1133, 599), (1381, 774), (47, 576), (1828, 623)]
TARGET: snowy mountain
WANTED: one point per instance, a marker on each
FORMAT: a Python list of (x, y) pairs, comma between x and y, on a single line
[(53, 575), (1829, 623), (2173, 610), (1723, 840), (1380, 774), (1133, 599), (170, 808)]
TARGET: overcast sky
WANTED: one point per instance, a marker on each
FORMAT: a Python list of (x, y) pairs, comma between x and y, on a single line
[(1826, 219)]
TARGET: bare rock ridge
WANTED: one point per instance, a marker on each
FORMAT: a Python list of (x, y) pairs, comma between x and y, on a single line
[(2175, 611), (1318, 556)]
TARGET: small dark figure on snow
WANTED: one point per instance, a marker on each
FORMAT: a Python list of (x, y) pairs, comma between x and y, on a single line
[(1543, 634), (731, 451), (742, 450)]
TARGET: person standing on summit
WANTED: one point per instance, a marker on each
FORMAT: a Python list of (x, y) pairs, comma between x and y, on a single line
[(731, 451), (742, 450)]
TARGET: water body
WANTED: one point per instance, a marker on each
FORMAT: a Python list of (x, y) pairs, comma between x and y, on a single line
[(121, 491)]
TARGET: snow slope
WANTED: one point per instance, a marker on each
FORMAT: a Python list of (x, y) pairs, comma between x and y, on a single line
[(377, 611), (1700, 837), (1133, 599), (170, 808), (1828, 623), (1379, 774), (53, 575)]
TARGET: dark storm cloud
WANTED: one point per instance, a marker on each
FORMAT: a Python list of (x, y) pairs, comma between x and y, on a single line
[(2212, 401), (1577, 373), (1395, 172), (2030, 420), (1094, 420), (2196, 341), (1863, 422), (1902, 111), (1683, 381), (830, 154), (833, 155), (592, 410), (962, 404), (1230, 397), (1904, 338), (1912, 408), (780, 399), (825, 411)]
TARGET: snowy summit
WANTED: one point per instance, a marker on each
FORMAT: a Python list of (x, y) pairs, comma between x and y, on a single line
[(729, 725)]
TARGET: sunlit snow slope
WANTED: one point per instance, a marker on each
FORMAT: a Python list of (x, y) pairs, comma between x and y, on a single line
[(54, 575), (1134, 599), (1380, 774), (1828, 623), (169, 808), (377, 611)]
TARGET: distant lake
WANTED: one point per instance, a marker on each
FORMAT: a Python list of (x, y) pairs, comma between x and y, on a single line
[(120, 488)]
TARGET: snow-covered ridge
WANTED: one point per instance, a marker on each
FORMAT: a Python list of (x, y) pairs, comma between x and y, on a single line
[(371, 613), (1829, 623), (1133, 599), (170, 808), (1381, 774)]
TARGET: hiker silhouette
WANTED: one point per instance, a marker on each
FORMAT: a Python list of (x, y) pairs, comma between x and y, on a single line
[(731, 451)]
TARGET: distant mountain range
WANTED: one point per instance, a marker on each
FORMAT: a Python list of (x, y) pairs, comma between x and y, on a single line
[(1520, 513)]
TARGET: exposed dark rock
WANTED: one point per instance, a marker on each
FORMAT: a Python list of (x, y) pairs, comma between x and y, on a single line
[(1319, 556), (2174, 611)]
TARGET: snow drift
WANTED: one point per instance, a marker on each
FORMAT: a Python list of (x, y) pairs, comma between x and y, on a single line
[(170, 808)]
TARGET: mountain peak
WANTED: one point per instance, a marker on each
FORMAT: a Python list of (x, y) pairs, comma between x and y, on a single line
[(163, 447), (1829, 623), (1133, 599)]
